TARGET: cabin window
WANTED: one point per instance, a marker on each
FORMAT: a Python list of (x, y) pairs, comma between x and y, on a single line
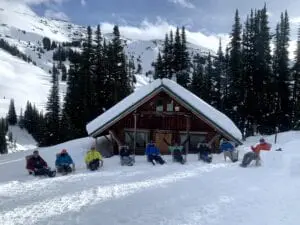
[(159, 105), (195, 139), (141, 139), (170, 106)]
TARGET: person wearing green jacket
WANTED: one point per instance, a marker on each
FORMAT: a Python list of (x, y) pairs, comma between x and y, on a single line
[(176, 151)]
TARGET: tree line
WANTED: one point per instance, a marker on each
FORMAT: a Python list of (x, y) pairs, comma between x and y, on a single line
[(255, 88), (100, 76), (13, 50)]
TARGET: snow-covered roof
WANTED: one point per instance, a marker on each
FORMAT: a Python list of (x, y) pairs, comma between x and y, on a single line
[(129, 104)]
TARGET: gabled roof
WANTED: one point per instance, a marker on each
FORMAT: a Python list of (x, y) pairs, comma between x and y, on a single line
[(214, 117)]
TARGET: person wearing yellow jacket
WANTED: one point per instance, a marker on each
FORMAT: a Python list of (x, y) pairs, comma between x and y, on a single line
[(93, 159)]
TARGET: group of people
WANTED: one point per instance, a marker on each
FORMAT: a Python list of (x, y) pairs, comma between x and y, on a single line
[(64, 163)]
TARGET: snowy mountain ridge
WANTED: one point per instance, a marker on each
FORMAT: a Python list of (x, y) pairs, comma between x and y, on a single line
[(23, 28)]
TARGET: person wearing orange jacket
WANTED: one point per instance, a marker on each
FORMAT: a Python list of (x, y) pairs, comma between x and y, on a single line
[(255, 153)]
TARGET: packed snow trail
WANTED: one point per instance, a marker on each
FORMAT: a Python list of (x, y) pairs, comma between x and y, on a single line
[(196, 193)]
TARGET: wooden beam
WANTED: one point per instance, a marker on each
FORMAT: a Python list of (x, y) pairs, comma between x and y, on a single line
[(188, 127), (114, 136), (135, 127), (151, 113), (213, 139)]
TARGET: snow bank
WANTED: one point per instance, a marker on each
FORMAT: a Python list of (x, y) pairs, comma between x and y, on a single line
[(195, 193)]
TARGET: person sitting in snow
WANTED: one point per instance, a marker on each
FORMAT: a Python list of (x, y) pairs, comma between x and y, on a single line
[(204, 152), (63, 162), (229, 151), (255, 153), (153, 154), (176, 151), (93, 159), (37, 166), (126, 159)]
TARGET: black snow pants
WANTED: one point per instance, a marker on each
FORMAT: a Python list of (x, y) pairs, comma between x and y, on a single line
[(64, 169), (178, 156), (156, 158), (94, 165), (44, 172), (248, 157)]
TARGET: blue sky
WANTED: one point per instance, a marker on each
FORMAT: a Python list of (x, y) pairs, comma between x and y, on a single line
[(208, 16)]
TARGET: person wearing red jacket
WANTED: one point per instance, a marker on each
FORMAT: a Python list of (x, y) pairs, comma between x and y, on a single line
[(262, 146), (255, 153), (37, 166)]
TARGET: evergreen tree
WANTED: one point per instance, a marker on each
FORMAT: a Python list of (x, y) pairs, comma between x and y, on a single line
[(12, 116), (177, 63), (64, 73), (21, 119), (218, 74), (183, 76), (3, 144), (198, 85), (296, 86), (47, 43), (100, 92), (282, 73), (53, 109), (159, 68), (118, 65), (235, 70), (166, 58)]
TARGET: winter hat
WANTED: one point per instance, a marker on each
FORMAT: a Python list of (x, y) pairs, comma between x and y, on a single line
[(262, 140), (64, 151)]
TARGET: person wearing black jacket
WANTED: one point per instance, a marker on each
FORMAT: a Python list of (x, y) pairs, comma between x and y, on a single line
[(125, 157)]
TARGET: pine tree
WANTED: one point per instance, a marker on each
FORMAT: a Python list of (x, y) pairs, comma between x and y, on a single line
[(167, 71), (64, 73), (177, 63), (118, 63), (47, 43), (100, 92), (12, 116), (282, 72), (183, 76), (53, 109), (3, 144), (296, 86), (235, 63), (159, 68), (218, 74), (198, 86), (21, 119)]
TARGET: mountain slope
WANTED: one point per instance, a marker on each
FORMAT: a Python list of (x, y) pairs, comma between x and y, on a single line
[(23, 28)]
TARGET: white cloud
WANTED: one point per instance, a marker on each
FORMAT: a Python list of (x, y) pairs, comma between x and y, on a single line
[(56, 15), (37, 2), (183, 3), (160, 28), (83, 2), (295, 20)]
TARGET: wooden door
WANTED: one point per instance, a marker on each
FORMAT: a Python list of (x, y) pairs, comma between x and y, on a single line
[(160, 143)]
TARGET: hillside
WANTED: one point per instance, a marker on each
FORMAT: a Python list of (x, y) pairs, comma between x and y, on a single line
[(196, 193), (23, 28)]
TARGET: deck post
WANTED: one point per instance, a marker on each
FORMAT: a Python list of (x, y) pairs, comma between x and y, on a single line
[(188, 127), (135, 127)]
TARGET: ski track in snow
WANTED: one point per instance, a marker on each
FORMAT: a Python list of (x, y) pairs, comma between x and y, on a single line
[(74, 202)]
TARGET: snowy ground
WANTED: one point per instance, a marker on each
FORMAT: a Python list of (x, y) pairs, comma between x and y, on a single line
[(221, 193)]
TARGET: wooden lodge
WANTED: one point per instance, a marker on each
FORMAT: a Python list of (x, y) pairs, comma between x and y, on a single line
[(164, 112)]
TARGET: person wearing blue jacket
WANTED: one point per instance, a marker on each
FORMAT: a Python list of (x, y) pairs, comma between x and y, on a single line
[(153, 154), (229, 151), (63, 162)]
